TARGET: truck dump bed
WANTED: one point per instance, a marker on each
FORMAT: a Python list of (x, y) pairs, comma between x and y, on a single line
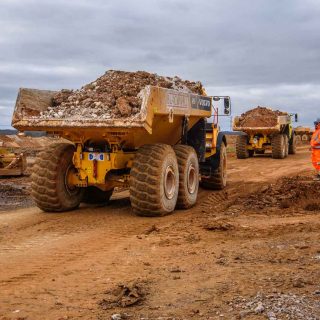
[(159, 119), (281, 121)]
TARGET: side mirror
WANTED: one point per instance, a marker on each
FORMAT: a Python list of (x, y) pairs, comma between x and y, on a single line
[(227, 106), (296, 117)]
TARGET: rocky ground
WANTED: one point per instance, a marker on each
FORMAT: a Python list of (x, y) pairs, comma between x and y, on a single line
[(226, 258), (15, 193), (116, 94), (260, 117)]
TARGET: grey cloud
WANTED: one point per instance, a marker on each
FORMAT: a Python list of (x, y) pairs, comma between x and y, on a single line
[(232, 45)]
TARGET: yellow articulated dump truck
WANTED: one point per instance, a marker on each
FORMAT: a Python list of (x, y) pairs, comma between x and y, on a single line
[(161, 154), (264, 129), (303, 134)]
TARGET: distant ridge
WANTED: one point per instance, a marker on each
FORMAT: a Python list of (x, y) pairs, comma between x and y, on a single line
[(10, 132)]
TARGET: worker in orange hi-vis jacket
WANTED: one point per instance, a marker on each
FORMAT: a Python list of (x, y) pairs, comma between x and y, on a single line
[(315, 147)]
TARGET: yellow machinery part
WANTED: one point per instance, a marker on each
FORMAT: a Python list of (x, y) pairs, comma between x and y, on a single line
[(93, 167), (11, 163), (211, 141), (258, 142)]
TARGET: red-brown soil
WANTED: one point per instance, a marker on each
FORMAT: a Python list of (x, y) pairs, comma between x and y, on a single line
[(260, 117), (222, 259)]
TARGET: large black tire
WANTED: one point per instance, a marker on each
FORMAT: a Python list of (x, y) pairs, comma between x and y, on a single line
[(94, 195), (154, 180), (218, 180), (278, 146), (49, 187), (188, 176), (286, 144), (293, 145), (241, 147)]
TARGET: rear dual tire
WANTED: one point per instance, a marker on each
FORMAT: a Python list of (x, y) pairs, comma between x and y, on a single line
[(280, 146), (163, 178), (154, 180), (188, 176)]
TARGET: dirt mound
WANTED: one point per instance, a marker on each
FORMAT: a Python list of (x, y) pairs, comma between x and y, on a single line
[(260, 117), (124, 295), (25, 144), (114, 95), (287, 192)]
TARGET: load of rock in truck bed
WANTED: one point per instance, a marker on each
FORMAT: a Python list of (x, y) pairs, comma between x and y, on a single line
[(113, 95), (260, 117)]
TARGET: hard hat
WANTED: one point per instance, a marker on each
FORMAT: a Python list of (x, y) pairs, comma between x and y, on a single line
[(317, 121)]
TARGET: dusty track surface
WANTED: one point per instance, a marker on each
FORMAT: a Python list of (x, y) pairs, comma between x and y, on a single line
[(219, 260)]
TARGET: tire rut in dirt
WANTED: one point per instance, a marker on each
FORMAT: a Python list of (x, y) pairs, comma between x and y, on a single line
[(48, 251), (49, 190), (216, 202), (188, 176), (147, 179)]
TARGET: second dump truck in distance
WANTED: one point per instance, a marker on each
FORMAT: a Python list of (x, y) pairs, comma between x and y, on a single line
[(265, 129)]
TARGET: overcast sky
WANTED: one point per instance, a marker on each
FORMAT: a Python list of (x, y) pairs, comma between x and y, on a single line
[(260, 52)]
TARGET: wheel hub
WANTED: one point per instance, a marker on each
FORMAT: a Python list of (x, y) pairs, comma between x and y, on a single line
[(191, 179), (169, 182)]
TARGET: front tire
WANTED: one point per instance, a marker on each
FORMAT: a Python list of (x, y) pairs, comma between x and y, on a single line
[(286, 145), (188, 176), (49, 187), (241, 147), (218, 180), (293, 145), (154, 180), (278, 146)]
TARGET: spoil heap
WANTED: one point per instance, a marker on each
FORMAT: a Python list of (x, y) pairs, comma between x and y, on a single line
[(260, 117), (287, 192), (114, 95)]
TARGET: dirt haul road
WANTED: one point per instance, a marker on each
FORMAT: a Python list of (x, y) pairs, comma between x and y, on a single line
[(219, 260)]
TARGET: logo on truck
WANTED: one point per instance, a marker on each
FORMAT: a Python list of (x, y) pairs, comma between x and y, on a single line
[(201, 103), (185, 100)]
